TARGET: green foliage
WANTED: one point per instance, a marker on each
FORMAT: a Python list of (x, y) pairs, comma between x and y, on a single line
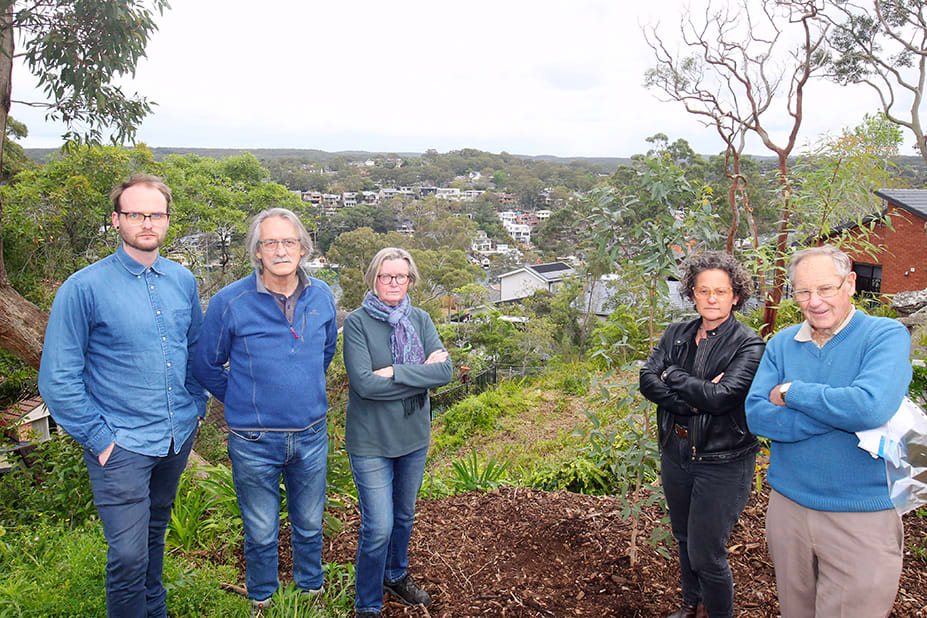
[(57, 217), (580, 475), (192, 525), (17, 380), (477, 415), (54, 487), (210, 442), (918, 388), (789, 314), (336, 600), (78, 50), (622, 338), (469, 475), (54, 570)]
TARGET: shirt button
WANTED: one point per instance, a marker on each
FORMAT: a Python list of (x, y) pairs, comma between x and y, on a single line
[(163, 338), (170, 389), (152, 287), (158, 312), (168, 364)]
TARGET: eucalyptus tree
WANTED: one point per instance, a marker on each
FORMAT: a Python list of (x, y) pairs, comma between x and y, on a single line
[(883, 44), (742, 59)]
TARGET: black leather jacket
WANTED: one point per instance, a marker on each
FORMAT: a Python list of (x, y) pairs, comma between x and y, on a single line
[(717, 424)]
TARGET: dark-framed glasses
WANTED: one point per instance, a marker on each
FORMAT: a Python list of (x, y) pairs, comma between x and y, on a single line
[(825, 291), (719, 293), (399, 279), (137, 218), (272, 243)]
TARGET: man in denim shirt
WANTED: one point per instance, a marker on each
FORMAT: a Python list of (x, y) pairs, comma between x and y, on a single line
[(277, 331), (116, 376)]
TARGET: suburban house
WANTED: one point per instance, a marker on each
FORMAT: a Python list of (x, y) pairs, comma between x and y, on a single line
[(29, 421), (525, 281), (902, 264)]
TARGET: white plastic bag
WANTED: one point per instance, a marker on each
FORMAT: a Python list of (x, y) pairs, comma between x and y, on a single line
[(907, 478)]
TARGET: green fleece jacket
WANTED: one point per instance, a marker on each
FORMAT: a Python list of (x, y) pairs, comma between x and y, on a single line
[(377, 423)]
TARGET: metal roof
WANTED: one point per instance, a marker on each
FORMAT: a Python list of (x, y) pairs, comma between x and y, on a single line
[(912, 200)]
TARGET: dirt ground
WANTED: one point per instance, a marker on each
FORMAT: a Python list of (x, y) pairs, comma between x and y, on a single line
[(526, 553)]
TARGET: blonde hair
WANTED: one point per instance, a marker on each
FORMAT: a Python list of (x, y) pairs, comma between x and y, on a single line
[(389, 253)]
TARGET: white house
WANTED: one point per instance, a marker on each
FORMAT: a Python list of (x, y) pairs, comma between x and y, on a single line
[(448, 193), (32, 422), (481, 242), (525, 281)]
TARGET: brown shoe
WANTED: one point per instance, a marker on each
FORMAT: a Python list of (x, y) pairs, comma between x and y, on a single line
[(700, 611)]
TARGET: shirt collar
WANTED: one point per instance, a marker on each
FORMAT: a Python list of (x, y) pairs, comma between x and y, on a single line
[(303, 278), (804, 331), (135, 267)]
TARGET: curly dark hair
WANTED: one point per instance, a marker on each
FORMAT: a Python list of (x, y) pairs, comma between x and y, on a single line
[(695, 264)]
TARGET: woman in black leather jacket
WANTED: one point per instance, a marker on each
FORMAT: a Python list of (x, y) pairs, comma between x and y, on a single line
[(698, 375)]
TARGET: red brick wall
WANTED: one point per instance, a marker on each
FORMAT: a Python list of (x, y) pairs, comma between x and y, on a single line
[(904, 247)]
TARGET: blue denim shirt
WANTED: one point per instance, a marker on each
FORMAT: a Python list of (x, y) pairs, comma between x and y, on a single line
[(116, 360)]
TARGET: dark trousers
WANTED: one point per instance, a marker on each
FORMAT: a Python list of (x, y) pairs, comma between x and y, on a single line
[(705, 500), (134, 494)]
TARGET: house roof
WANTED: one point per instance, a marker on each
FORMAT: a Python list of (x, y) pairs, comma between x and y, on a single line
[(912, 200), (20, 409), (551, 271)]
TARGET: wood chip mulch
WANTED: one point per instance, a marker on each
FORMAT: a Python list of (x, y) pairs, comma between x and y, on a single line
[(526, 553)]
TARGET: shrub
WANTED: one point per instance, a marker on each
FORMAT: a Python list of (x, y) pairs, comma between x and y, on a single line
[(54, 486), (475, 415), (470, 476)]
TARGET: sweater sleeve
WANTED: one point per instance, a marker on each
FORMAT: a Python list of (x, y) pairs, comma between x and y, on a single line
[(764, 418), (876, 391), (359, 367), (432, 374), (213, 348)]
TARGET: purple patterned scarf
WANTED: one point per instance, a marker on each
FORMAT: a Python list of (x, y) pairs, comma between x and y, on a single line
[(404, 343)]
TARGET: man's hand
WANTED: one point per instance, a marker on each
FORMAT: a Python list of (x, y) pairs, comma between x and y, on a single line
[(384, 372), (775, 396), (717, 378), (438, 356), (104, 456)]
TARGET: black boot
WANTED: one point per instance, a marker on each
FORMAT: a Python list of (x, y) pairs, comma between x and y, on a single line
[(690, 611)]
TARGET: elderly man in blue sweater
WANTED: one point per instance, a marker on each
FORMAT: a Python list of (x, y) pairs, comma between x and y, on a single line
[(276, 330), (834, 537)]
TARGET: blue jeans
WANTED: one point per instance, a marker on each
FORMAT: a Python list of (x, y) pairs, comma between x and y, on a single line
[(705, 500), (133, 494), (258, 460), (386, 490)]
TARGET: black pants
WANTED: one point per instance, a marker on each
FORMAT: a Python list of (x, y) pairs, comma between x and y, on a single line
[(705, 500)]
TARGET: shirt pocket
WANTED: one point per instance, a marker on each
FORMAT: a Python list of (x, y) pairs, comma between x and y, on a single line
[(180, 323)]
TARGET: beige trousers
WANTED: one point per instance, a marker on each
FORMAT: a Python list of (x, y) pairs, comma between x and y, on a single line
[(834, 565)]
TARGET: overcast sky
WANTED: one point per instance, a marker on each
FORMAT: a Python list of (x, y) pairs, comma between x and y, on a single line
[(527, 77)]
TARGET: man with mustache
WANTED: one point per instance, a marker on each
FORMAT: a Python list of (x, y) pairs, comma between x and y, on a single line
[(115, 374), (276, 329)]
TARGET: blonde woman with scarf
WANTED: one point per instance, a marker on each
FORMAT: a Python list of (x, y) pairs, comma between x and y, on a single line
[(392, 355)]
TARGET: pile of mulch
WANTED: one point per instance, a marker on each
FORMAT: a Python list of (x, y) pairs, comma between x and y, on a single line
[(525, 553)]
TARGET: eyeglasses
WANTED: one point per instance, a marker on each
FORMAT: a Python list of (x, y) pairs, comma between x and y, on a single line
[(719, 293), (271, 244), (399, 279), (137, 218), (825, 291)]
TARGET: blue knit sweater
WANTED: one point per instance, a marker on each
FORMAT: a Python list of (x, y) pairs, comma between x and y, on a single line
[(276, 376), (855, 381)]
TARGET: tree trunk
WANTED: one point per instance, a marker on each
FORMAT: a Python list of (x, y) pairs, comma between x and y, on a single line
[(22, 324), (782, 240)]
